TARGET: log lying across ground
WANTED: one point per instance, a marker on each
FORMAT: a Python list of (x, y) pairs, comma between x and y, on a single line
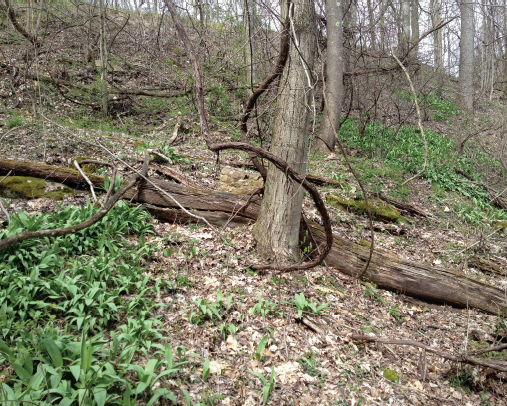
[(386, 270)]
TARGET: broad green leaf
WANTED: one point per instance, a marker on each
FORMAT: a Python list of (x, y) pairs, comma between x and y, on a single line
[(4, 349), (53, 352), (21, 372), (168, 356), (8, 394), (100, 395), (260, 376), (126, 396), (161, 392), (66, 402), (205, 370), (75, 370), (265, 394)]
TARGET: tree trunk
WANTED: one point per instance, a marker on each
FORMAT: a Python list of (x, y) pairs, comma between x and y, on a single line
[(278, 225), (248, 21), (371, 24), (436, 19), (466, 57), (414, 21), (404, 26), (334, 78), (103, 59)]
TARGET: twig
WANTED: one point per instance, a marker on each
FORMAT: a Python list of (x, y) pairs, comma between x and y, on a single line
[(6, 176), (5, 211), (87, 180), (419, 122), (11, 130), (103, 163), (475, 243), (466, 358)]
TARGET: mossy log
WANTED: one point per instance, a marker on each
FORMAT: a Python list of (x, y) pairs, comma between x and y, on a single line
[(70, 177), (386, 269)]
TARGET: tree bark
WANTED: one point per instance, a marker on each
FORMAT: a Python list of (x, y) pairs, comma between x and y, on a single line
[(278, 224), (466, 57), (326, 139), (414, 22), (436, 20), (404, 26)]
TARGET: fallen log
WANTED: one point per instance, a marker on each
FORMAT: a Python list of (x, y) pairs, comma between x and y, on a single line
[(67, 176), (386, 269)]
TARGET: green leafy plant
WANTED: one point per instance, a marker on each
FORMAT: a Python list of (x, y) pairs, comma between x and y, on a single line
[(304, 305), (226, 329), (164, 150), (395, 312), (371, 292), (268, 386), (310, 363), (15, 121), (260, 349), (263, 307), (205, 370)]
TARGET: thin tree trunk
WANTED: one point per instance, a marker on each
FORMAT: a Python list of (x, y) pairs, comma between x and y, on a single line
[(278, 225), (414, 21), (466, 57), (404, 26), (436, 19), (103, 59), (334, 78), (371, 24)]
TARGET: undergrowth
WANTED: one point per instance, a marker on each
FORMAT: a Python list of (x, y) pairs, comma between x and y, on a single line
[(76, 310), (404, 150)]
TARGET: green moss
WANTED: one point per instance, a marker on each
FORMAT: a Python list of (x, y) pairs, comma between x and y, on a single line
[(391, 375), (499, 224), (89, 168), (22, 187), (26, 187), (379, 209)]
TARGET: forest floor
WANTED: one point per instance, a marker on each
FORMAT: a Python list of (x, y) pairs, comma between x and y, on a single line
[(311, 368), (196, 291)]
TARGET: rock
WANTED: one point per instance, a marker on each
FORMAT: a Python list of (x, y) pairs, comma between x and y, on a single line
[(238, 181), (379, 209), (26, 187)]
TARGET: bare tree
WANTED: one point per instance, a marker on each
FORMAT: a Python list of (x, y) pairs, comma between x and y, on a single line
[(277, 227)]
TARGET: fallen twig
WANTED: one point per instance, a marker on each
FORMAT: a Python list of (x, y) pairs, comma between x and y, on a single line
[(466, 358), (92, 190)]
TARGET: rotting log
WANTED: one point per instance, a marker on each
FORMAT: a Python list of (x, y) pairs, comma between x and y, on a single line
[(386, 269), (68, 176)]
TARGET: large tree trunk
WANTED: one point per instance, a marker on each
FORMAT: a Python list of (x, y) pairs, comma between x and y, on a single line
[(386, 269), (466, 56), (278, 224), (334, 77)]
